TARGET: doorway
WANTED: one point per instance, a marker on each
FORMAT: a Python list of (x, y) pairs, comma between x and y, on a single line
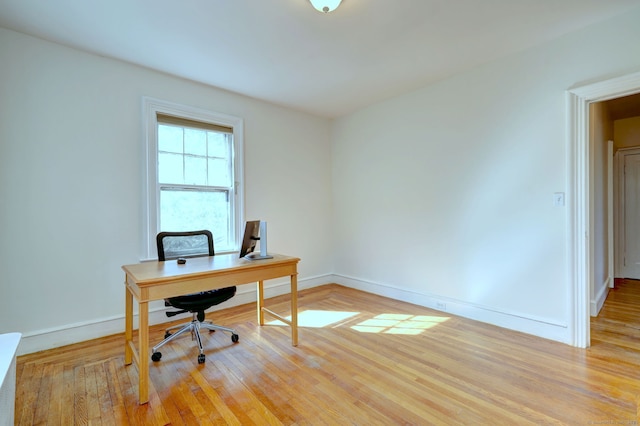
[(579, 202)]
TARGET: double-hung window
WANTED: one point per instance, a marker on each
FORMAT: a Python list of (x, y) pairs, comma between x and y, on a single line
[(194, 173)]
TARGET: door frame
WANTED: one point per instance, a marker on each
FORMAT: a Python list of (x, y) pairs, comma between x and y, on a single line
[(611, 210), (580, 174)]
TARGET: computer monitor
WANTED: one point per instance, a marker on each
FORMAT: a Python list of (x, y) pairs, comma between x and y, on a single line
[(250, 238), (254, 231)]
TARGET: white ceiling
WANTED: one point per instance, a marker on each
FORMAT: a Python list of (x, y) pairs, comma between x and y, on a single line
[(285, 52)]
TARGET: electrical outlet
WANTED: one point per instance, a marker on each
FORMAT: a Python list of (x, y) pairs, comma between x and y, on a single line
[(441, 306)]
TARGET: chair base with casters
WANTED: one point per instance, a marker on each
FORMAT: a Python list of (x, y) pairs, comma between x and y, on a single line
[(187, 304)]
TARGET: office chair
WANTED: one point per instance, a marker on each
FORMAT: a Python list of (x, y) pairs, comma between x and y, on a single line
[(174, 245)]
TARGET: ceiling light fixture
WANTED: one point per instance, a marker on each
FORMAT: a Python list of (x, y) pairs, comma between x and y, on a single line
[(325, 6)]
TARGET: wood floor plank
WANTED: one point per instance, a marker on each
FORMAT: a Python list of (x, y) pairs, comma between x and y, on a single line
[(81, 394), (362, 360), (66, 399), (41, 404), (115, 395), (55, 409), (27, 388)]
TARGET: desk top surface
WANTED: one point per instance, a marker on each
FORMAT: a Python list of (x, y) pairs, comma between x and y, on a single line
[(155, 272)]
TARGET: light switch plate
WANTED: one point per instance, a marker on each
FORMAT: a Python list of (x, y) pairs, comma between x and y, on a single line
[(558, 199)]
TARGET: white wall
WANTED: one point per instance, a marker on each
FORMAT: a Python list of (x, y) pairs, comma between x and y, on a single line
[(443, 196), (71, 167), (627, 132)]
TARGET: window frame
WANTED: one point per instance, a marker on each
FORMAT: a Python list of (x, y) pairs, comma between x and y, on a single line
[(151, 208)]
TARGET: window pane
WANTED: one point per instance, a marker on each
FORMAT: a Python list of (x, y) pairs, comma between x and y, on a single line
[(219, 172), (194, 210), (195, 142), (195, 170), (218, 144), (169, 138), (170, 168)]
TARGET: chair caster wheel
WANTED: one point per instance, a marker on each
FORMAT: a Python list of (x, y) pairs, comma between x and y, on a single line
[(156, 356), (235, 338), (201, 359), (167, 334)]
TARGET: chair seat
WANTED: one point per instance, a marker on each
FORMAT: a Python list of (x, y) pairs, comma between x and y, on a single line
[(200, 301)]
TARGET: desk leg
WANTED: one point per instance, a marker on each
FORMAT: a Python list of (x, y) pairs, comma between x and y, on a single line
[(294, 310), (128, 325), (260, 302), (143, 351)]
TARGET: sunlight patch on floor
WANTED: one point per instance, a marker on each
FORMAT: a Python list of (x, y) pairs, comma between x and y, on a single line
[(399, 324), (318, 319), (383, 323)]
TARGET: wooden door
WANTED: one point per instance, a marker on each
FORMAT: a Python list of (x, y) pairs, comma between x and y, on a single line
[(631, 221)]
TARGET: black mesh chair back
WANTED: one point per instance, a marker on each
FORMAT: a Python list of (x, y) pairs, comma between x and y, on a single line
[(172, 245), (190, 244)]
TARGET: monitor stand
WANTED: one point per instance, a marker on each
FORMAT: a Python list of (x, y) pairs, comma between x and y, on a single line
[(263, 245), (258, 256)]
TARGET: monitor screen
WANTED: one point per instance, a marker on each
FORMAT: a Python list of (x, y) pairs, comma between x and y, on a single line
[(250, 238)]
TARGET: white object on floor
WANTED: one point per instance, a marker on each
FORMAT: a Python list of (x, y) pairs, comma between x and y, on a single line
[(8, 347)]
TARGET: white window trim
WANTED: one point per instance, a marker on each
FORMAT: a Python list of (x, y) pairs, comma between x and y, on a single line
[(151, 107)]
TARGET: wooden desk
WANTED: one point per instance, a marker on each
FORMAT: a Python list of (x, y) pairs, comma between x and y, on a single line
[(150, 281)]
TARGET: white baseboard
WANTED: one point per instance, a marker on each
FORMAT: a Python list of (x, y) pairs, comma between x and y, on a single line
[(598, 301), (542, 327), (73, 333)]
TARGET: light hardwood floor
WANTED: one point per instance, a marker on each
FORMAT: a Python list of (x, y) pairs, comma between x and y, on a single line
[(362, 360)]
